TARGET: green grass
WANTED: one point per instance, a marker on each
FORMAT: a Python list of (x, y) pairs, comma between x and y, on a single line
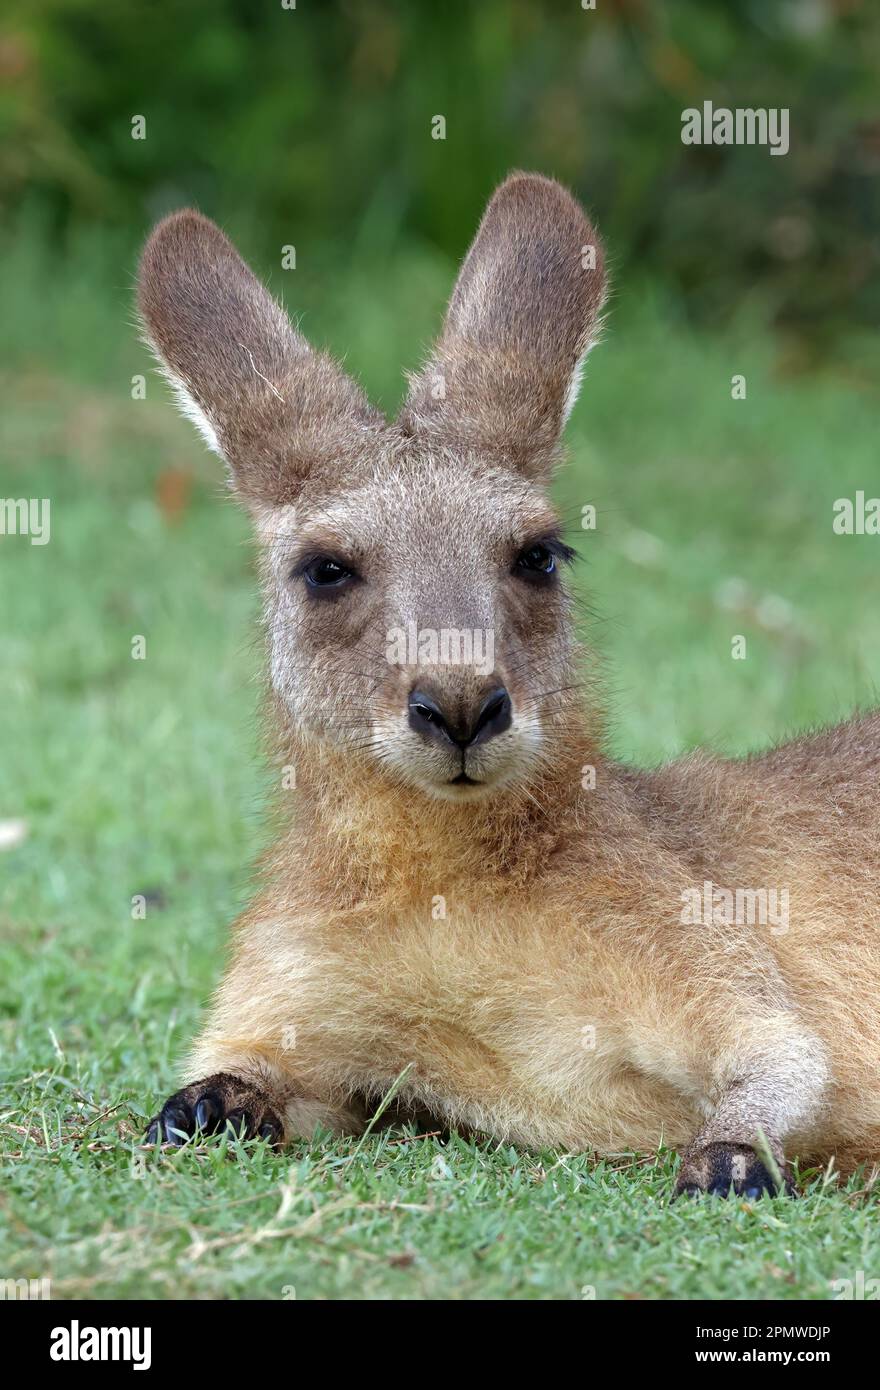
[(144, 777)]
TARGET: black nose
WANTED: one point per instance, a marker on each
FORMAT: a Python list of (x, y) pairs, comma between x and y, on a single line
[(493, 716)]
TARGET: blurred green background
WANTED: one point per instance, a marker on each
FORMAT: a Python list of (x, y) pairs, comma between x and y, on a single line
[(312, 128)]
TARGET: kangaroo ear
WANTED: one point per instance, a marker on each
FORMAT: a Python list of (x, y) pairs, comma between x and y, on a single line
[(524, 313), (273, 408)]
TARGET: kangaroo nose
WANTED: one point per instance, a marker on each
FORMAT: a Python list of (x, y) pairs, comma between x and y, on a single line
[(492, 716)]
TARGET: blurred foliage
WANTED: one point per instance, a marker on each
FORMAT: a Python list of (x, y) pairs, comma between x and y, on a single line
[(312, 126)]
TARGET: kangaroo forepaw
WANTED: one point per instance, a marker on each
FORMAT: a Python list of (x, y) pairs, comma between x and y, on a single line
[(719, 1168), (213, 1105)]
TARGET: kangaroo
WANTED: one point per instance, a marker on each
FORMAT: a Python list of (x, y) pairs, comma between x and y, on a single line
[(467, 898)]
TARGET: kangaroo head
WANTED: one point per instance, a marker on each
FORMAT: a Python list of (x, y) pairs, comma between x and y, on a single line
[(416, 615)]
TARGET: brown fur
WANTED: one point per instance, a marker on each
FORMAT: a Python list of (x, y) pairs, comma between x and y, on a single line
[(560, 1000)]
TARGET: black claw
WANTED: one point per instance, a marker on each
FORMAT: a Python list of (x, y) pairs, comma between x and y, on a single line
[(203, 1108), (208, 1112), (270, 1130), (241, 1123), (715, 1175), (176, 1124)]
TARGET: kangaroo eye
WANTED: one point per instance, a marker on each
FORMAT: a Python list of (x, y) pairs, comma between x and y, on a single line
[(325, 573), (538, 560)]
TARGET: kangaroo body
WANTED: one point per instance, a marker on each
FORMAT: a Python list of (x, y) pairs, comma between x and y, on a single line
[(554, 997), (466, 898)]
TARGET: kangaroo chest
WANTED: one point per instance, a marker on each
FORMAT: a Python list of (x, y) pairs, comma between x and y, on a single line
[(510, 1026)]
